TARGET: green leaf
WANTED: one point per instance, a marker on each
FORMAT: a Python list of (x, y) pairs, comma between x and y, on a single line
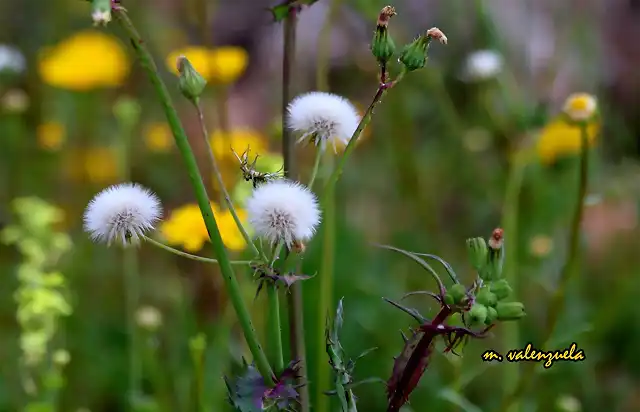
[(458, 400)]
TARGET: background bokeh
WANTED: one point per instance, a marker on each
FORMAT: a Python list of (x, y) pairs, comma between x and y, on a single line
[(433, 169)]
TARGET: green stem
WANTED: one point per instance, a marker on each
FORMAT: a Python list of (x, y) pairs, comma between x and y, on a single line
[(275, 330), (557, 301), (295, 305), (325, 288), (510, 226), (182, 142), (366, 119), (223, 189), (189, 255), (316, 165), (131, 282)]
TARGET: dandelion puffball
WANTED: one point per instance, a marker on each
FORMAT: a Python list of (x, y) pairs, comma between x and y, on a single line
[(122, 213), (483, 65), (323, 118), (283, 211)]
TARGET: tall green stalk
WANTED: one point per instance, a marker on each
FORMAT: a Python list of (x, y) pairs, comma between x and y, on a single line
[(274, 348), (558, 299), (182, 142), (328, 239)]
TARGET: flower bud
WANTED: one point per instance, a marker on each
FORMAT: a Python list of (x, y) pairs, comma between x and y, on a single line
[(478, 251), (492, 315), (501, 289), (495, 257), (510, 310), (414, 55), (101, 12), (478, 314), (190, 82), (486, 297), (382, 46), (448, 299), (458, 293)]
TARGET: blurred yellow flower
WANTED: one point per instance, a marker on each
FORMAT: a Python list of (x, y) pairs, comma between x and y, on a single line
[(100, 164), (558, 139), (540, 245), (220, 65), (185, 227), (87, 60), (51, 135), (239, 140), (158, 137)]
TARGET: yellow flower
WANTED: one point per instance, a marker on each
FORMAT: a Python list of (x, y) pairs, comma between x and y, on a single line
[(157, 137), (558, 139), (51, 135), (239, 140), (580, 106), (185, 227), (540, 245), (86, 60), (221, 65), (100, 164)]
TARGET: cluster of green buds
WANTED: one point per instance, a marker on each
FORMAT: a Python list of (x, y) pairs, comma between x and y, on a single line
[(488, 303), (413, 55)]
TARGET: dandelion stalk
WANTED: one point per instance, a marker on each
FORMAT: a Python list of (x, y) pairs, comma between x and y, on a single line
[(295, 304), (202, 197), (223, 189), (558, 299), (127, 113), (275, 329), (189, 255), (314, 171)]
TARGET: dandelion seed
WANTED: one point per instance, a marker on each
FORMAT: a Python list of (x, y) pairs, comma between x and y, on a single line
[(323, 118), (122, 213), (283, 211)]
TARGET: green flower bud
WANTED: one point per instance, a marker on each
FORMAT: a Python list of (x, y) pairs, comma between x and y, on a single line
[(510, 310), (448, 299), (478, 252), (382, 45), (486, 297), (190, 82), (492, 315), (478, 314), (501, 289), (414, 54), (458, 293), (495, 257)]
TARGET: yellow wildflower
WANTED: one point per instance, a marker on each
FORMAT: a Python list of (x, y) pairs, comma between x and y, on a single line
[(558, 139), (239, 140), (157, 137), (540, 245), (185, 227), (51, 135), (580, 107), (87, 60), (221, 65), (100, 164)]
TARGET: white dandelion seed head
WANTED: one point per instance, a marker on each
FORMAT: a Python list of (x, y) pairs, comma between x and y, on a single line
[(283, 211), (123, 213), (323, 118), (482, 65)]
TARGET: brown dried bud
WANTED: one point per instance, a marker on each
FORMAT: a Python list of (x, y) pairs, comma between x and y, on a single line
[(436, 33), (386, 14), (497, 239), (298, 247)]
